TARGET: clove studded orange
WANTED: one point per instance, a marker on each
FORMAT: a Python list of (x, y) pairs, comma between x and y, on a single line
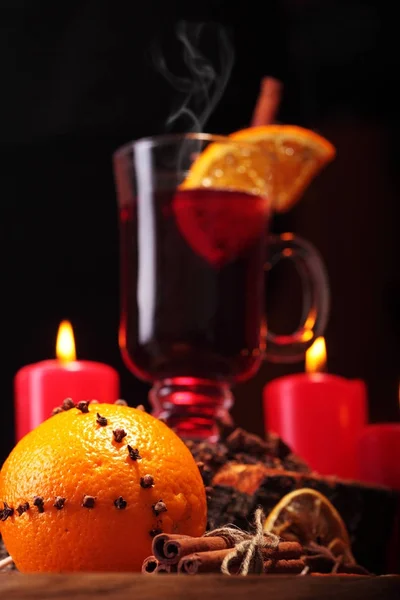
[(89, 488)]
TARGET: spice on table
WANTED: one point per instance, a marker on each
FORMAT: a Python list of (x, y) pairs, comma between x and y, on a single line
[(152, 566), (169, 548), (232, 551), (206, 554), (204, 562), (228, 550), (284, 558), (284, 567)]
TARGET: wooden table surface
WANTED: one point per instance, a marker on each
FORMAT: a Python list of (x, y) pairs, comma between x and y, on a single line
[(211, 587)]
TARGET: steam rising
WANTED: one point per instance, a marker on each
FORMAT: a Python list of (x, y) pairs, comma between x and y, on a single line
[(206, 76)]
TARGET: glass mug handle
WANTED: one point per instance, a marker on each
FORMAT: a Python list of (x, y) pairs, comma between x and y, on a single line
[(316, 298)]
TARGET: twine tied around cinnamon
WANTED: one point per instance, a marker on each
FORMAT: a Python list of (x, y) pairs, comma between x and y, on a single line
[(246, 547)]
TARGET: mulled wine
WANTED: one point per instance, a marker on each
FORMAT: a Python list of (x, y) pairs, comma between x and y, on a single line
[(192, 283)]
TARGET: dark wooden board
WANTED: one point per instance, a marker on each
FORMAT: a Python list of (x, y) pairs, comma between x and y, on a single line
[(114, 586)]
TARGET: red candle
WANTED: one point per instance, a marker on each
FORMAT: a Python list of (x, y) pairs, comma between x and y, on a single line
[(320, 416), (379, 454), (379, 463), (42, 386)]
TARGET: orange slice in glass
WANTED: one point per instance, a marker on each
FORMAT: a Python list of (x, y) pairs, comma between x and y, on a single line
[(222, 207), (295, 155), (287, 160), (229, 166)]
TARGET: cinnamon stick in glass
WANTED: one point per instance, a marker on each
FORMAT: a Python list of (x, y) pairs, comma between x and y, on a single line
[(268, 102)]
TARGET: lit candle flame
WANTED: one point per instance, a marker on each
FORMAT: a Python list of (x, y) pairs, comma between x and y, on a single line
[(316, 356), (65, 346)]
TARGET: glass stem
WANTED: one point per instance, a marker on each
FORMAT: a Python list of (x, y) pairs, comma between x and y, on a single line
[(192, 407)]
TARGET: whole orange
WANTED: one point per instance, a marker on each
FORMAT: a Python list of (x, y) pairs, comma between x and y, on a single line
[(87, 491)]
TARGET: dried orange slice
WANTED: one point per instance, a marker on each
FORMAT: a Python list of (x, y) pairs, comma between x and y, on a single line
[(276, 161), (308, 516), (295, 155)]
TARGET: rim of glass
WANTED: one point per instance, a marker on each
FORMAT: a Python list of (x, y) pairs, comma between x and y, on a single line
[(169, 138)]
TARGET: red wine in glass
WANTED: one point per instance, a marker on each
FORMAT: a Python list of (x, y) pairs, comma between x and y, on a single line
[(193, 294)]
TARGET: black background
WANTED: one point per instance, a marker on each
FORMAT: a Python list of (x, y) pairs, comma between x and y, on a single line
[(77, 81)]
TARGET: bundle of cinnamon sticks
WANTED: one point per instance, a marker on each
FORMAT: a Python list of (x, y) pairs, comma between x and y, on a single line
[(191, 555)]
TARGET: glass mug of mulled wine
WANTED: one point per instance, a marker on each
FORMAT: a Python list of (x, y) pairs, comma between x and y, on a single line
[(194, 258)]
